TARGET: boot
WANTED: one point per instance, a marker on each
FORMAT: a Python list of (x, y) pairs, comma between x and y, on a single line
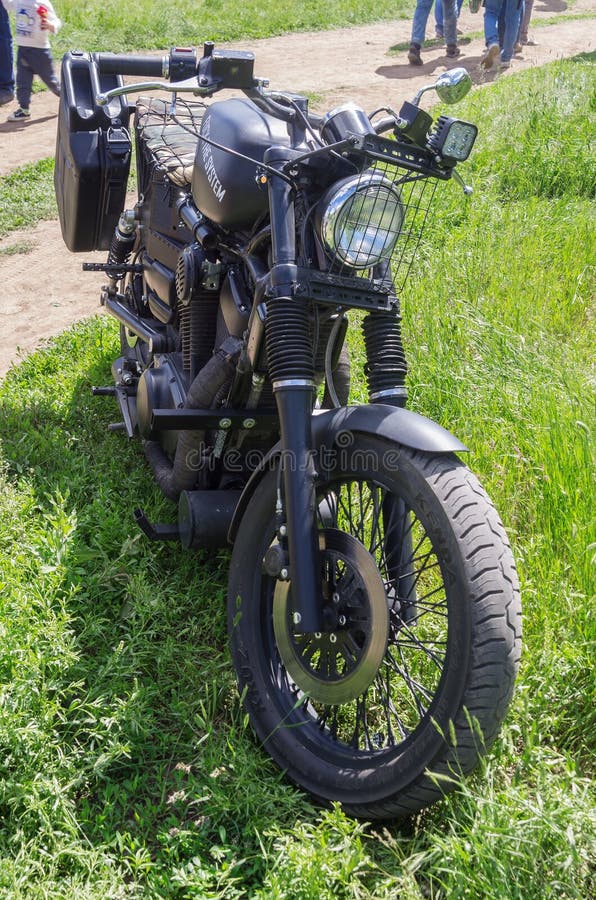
[(414, 57)]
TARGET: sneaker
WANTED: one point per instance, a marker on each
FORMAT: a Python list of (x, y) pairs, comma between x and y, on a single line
[(530, 42), (505, 64), (453, 51), (489, 57), (414, 57), (517, 47), (19, 114), (439, 34), (6, 97)]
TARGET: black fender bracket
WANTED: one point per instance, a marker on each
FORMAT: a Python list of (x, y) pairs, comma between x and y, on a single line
[(332, 428)]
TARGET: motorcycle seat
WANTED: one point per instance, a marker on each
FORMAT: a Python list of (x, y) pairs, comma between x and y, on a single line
[(171, 140)]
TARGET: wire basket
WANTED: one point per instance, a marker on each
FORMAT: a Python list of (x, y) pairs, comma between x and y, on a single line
[(382, 217)]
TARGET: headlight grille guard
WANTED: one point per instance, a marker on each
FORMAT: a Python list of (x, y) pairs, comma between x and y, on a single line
[(414, 173)]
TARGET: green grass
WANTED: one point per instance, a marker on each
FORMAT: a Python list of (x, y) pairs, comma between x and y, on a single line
[(127, 768), (27, 196), (19, 248), (157, 24)]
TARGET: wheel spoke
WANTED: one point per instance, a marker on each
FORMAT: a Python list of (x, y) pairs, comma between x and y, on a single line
[(415, 642), (384, 688), (411, 683), (403, 689)]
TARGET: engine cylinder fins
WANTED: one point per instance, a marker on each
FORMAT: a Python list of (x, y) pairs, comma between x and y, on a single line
[(197, 309)]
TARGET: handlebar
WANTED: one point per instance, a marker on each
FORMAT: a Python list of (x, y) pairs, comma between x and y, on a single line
[(180, 63), (119, 64), (215, 70), (205, 75)]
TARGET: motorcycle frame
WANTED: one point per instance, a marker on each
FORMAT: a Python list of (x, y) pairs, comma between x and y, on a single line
[(296, 508)]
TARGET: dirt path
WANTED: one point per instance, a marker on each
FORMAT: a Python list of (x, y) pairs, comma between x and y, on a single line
[(44, 289)]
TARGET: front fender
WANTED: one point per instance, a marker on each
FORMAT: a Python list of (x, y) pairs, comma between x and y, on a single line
[(402, 426)]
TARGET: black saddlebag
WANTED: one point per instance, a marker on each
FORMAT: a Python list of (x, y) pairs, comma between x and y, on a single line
[(93, 151)]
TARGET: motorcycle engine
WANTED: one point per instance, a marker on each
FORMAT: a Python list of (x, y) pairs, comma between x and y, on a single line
[(165, 384)]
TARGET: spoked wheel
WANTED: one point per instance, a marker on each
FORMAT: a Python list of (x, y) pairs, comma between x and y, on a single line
[(341, 662), (413, 671)]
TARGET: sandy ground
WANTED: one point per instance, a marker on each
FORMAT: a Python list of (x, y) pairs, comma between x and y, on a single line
[(44, 290)]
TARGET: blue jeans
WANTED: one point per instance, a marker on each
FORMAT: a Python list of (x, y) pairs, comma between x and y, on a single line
[(421, 14), (509, 12), (6, 71), (439, 13), (34, 61)]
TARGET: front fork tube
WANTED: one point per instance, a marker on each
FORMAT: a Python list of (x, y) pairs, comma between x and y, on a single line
[(291, 369), (295, 409)]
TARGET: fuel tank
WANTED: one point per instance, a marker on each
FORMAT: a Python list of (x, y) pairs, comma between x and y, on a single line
[(224, 187)]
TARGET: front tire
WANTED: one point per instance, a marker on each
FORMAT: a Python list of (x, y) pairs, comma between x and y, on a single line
[(453, 638)]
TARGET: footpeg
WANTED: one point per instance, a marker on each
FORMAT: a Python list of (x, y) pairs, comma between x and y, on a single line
[(109, 391)]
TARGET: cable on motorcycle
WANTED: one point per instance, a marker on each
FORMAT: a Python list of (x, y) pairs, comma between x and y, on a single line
[(328, 356)]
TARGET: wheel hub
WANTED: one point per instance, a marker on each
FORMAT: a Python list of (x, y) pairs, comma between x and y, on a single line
[(338, 664)]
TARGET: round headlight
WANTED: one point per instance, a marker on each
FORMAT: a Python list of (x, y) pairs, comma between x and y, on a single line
[(360, 220)]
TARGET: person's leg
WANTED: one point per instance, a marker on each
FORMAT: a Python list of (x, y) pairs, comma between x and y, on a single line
[(512, 13), (502, 22), (492, 8), (421, 14), (450, 26), (525, 22), (439, 18), (6, 61), (44, 67), (24, 77), (439, 15)]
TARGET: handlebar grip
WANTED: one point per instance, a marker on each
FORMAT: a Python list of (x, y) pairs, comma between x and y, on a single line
[(125, 64), (385, 124)]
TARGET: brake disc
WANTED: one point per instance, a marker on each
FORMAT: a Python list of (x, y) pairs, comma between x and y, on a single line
[(339, 663)]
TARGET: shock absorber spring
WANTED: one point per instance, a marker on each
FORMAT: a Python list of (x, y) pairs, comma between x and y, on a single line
[(386, 366), (289, 341), (123, 242)]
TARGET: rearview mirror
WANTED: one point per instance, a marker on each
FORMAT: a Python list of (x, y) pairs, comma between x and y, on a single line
[(451, 86)]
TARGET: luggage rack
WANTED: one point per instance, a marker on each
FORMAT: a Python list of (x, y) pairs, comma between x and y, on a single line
[(170, 139)]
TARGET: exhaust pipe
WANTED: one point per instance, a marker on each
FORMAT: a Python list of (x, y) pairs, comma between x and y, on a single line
[(181, 475)]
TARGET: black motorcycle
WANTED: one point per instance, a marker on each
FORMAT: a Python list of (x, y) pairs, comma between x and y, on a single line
[(373, 603)]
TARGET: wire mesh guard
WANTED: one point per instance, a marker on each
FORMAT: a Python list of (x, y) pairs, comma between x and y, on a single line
[(171, 139), (380, 217)]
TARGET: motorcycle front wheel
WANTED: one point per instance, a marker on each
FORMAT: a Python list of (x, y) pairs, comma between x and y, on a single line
[(406, 686)]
